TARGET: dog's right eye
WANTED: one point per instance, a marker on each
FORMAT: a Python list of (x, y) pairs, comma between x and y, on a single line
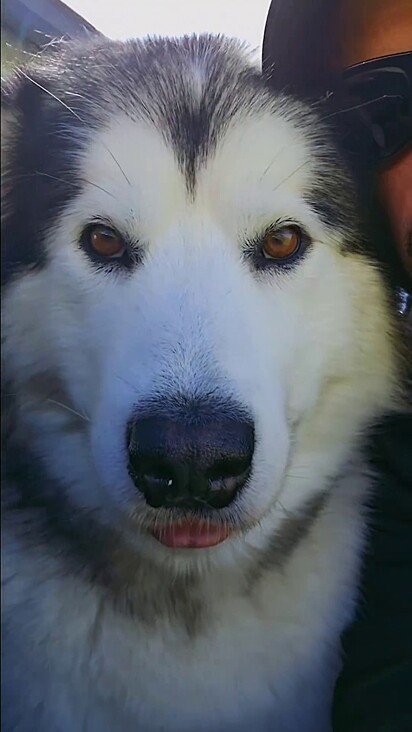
[(106, 247), (105, 242)]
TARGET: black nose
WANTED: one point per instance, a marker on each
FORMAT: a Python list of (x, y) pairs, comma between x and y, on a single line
[(190, 464)]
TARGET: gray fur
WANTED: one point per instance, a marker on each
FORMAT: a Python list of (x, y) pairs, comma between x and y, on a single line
[(292, 531)]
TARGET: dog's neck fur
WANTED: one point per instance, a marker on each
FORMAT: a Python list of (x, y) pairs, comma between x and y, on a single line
[(99, 619)]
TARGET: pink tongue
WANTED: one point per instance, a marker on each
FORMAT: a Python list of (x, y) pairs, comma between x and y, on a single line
[(190, 535)]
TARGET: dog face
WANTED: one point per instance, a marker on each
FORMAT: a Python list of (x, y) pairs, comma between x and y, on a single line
[(194, 342)]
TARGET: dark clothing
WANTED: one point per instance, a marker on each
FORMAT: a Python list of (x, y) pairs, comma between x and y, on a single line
[(374, 691)]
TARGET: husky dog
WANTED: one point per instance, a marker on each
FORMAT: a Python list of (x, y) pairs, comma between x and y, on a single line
[(194, 347)]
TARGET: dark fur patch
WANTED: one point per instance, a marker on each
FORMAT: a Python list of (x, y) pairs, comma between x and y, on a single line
[(40, 178), (41, 511), (292, 531)]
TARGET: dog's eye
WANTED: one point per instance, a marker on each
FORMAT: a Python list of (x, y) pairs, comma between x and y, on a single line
[(282, 243), (106, 242)]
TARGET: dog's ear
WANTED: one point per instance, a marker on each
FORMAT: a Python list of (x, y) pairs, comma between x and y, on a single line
[(299, 46), (22, 130), (23, 116), (35, 162)]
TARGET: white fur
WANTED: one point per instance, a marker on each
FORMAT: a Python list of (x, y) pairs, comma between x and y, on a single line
[(307, 352)]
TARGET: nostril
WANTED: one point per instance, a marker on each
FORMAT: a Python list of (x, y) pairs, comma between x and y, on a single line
[(156, 481), (160, 473), (226, 469), (149, 463), (226, 478), (153, 477)]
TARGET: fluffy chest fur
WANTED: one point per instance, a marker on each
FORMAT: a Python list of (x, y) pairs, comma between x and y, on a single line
[(265, 652)]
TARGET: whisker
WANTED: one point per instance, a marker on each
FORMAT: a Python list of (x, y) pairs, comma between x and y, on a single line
[(117, 163), (69, 183), (266, 170), (359, 106), (288, 177), (69, 109), (69, 409), (47, 91), (53, 177), (295, 476), (100, 188), (128, 383), (290, 514)]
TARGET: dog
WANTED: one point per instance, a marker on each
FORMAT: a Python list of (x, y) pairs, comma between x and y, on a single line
[(195, 348)]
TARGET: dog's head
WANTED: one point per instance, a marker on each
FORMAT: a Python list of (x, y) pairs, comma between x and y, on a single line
[(193, 338)]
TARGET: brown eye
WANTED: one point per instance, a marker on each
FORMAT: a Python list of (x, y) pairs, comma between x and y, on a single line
[(282, 243), (106, 242)]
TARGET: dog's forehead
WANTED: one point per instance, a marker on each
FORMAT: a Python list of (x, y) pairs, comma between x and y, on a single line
[(189, 88), (132, 170), (196, 101)]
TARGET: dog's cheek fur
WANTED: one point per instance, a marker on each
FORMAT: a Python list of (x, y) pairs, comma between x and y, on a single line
[(351, 323)]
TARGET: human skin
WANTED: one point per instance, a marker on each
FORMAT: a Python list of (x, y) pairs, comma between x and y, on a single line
[(370, 29)]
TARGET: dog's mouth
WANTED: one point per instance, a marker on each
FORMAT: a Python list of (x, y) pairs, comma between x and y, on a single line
[(191, 534)]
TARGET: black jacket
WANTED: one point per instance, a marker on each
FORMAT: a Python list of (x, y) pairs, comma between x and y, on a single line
[(374, 691)]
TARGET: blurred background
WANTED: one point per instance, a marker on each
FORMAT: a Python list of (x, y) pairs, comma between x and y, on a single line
[(28, 25)]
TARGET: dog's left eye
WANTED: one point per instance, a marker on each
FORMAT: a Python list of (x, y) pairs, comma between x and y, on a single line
[(106, 242), (282, 243)]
